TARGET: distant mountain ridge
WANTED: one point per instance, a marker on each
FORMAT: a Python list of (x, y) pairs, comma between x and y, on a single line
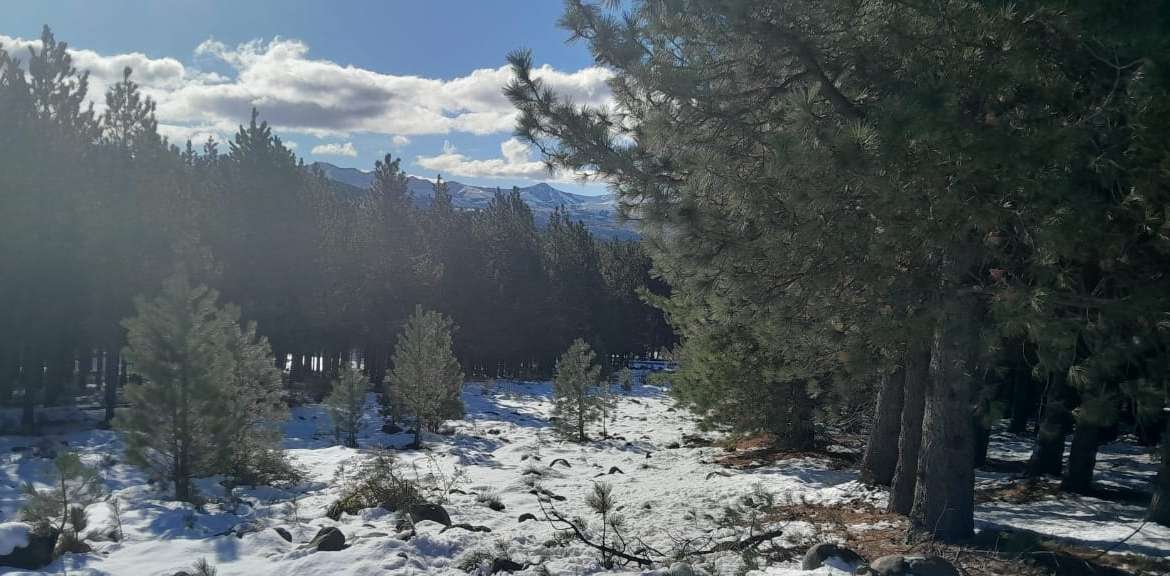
[(599, 213)]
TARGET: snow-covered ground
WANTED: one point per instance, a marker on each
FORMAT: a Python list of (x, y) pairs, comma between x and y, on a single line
[(667, 492)]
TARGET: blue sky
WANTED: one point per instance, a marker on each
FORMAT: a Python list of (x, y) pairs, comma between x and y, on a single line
[(344, 81)]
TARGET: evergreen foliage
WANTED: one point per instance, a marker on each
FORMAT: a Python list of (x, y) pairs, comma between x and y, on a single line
[(346, 403), (74, 487), (208, 396), (575, 399), (426, 379)]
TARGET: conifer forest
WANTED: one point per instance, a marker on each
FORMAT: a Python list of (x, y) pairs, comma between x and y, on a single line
[(752, 288)]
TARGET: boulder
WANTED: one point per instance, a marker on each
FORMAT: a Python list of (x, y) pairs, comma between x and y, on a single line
[(328, 539), (26, 548), (505, 565), (829, 554), (526, 517), (429, 511), (909, 566), (284, 533)]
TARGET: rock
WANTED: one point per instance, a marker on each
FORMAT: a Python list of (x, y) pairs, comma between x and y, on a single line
[(468, 527), (909, 566), (328, 539), (561, 460), (496, 505), (526, 517), (615, 470), (283, 533), (391, 428), (829, 554), (505, 565), (429, 511), (681, 569), (402, 555), (37, 551)]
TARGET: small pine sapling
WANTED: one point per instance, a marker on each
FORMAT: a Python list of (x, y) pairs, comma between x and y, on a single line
[(345, 404), (574, 390), (61, 509)]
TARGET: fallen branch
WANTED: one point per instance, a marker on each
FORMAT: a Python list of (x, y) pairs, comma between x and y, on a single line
[(553, 516)]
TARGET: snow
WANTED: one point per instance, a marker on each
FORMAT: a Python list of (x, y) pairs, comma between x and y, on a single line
[(13, 535), (667, 495)]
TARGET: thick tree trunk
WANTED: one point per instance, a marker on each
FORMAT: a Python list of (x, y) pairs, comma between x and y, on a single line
[(1159, 511), (1082, 459), (944, 496), (1023, 403), (1048, 454), (915, 374), (982, 440), (9, 373), (881, 451)]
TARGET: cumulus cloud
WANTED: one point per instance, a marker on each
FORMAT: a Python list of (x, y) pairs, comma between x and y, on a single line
[(515, 162), (334, 149), (296, 92), (399, 141)]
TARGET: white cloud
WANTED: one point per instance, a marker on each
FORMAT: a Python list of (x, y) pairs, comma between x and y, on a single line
[(399, 141), (298, 93), (334, 149), (515, 162)]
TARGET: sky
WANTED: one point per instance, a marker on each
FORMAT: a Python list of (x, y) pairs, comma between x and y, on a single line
[(345, 82)]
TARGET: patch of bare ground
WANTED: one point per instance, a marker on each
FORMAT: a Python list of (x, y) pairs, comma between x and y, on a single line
[(873, 533), (758, 450)]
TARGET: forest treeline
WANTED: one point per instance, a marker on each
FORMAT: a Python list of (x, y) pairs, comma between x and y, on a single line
[(97, 209), (950, 212)]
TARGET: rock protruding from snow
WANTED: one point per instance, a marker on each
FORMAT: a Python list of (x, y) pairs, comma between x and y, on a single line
[(909, 566), (284, 533), (429, 511), (21, 547), (526, 517), (505, 565), (328, 539), (681, 569), (832, 555)]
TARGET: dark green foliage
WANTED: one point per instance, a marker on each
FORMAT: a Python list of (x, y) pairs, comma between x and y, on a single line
[(575, 390), (74, 487), (427, 380), (346, 402), (378, 481)]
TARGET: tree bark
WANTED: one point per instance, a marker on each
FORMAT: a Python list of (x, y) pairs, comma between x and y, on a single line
[(1082, 459), (31, 376), (982, 439), (1048, 454), (944, 496), (1023, 403), (800, 432), (1159, 511), (110, 381), (915, 373), (881, 451)]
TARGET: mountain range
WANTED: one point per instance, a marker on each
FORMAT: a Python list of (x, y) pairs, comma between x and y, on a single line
[(599, 213)]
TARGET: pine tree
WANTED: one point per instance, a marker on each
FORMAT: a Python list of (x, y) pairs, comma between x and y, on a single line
[(426, 379), (575, 401), (208, 394), (346, 404)]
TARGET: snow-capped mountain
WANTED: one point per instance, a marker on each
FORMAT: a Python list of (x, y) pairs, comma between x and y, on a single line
[(599, 213)]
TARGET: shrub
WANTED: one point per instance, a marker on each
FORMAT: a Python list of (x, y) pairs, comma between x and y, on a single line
[(376, 482)]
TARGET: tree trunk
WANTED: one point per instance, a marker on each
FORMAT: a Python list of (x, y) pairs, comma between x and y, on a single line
[(982, 440), (1048, 454), (1023, 403), (881, 451), (110, 381), (916, 372), (944, 496), (1082, 458), (1159, 511), (31, 375), (800, 429)]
